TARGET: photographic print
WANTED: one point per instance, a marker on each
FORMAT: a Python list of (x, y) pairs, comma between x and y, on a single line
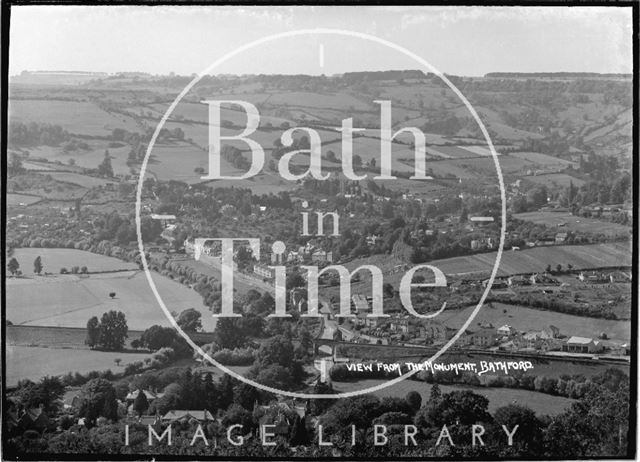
[(280, 232)]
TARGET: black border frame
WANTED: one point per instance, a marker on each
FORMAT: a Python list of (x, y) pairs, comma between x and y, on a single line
[(5, 14)]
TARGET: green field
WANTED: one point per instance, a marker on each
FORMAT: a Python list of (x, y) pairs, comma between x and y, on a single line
[(54, 259), (85, 159), (78, 179), (554, 180), (537, 259), (527, 319), (513, 262), (540, 403), (33, 363), (543, 160), (571, 222), (70, 300), (21, 200), (76, 117)]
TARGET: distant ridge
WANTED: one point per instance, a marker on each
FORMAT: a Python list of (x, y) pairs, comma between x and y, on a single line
[(384, 75), (62, 73), (557, 75)]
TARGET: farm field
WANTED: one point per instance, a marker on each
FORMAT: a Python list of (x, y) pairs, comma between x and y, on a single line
[(542, 404), (537, 259), (69, 300), (528, 319), (524, 261), (335, 101), (78, 179), (543, 159), (76, 117), (54, 259), (485, 166), (21, 200), (33, 363), (575, 223), (38, 166), (230, 113), (85, 159), (450, 152), (554, 180)]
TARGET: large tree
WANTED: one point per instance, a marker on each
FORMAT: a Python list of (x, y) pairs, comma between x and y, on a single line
[(105, 168), (93, 332), (229, 333), (156, 337), (13, 266), (190, 320), (98, 399), (37, 265), (529, 440), (113, 330), (141, 404), (46, 393)]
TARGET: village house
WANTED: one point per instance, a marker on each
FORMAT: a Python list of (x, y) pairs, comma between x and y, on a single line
[(264, 271), (619, 276), (298, 299), (434, 331), (294, 257), (372, 239), (620, 349), (179, 415), (505, 330), (538, 278), (131, 397), (561, 238), (320, 256), (518, 281), (360, 303), (594, 278), (485, 337), (34, 419), (497, 283), (583, 345)]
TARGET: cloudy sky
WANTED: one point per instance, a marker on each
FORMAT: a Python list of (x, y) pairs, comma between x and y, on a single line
[(457, 40)]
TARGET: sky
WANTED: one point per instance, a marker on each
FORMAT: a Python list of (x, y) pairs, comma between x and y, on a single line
[(468, 41)]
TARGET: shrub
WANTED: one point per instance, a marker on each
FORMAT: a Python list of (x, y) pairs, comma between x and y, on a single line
[(64, 270), (235, 357)]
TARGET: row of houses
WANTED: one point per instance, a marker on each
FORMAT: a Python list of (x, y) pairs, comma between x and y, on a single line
[(522, 280)]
